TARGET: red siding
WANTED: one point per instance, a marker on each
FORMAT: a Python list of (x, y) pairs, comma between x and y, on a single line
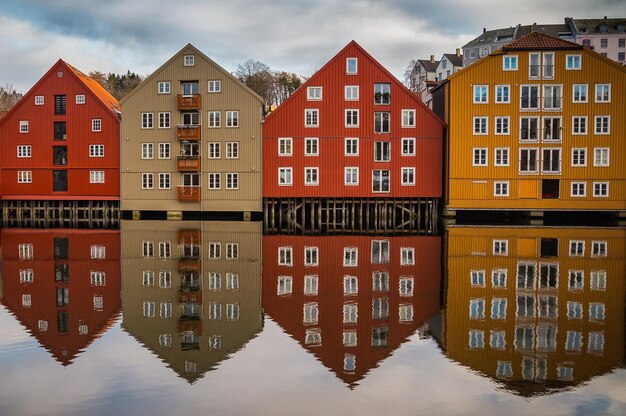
[(40, 136), (288, 121), (63, 345), (287, 310)]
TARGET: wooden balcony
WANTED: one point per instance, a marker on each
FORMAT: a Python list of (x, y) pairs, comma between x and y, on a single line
[(189, 265), (188, 102), (190, 296), (189, 193), (189, 163), (193, 326), (189, 237), (188, 132)]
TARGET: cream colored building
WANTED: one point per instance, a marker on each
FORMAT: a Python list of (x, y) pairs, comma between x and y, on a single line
[(191, 140), (191, 291)]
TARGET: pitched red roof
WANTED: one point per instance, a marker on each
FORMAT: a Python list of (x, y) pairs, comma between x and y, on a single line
[(540, 41), (95, 87)]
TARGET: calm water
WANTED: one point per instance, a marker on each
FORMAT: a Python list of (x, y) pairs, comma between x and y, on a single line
[(212, 317)]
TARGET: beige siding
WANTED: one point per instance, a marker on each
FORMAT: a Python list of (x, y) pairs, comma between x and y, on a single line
[(233, 97)]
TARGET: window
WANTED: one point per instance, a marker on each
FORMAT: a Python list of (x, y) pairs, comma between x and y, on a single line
[(215, 250), (501, 247), (232, 119), (214, 119), (25, 251), (408, 146), (314, 93), (284, 177), (498, 278), (551, 129), (528, 161), (574, 341), (350, 256), (529, 97), (529, 129), (351, 176), (382, 151), (533, 65), (480, 156), (148, 248), (598, 280), (509, 63), (601, 189), (595, 344), (572, 62), (526, 275), (165, 279), (408, 176), (232, 150), (576, 280), (351, 66), (24, 126), (381, 122), (380, 180), (189, 60), (351, 92), (311, 146), (147, 120), (380, 251), (503, 95), (477, 278), (285, 146), (24, 151), (215, 86), (579, 125), (551, 160), (232, 251), (147, 181), (578, 189), (350, 285), (382, 93), (621, 42), (502, 125), (164, 181), (215, 150), (24, 176), (407, 256), (165, 249), (147, 150), (350, 313), (498, 308), (501, 188), (481, 94), (285, 256), (164, 150), (39, 100), (476, 339), (311, 313), (380, 308), (311, 176), (477, 308), (232, 181), (604, 42), (603, 125), (164, 120), (408, 118), (96, 124), (96, 150), (59, 105), (310, 285), (552, 95), (149, 309), (596, 311), (406, 286), (349, 338), (548, 65), (603, 93), (598, 248), (351, 146), (311, 256), (579, 94), (480, 125), (232, 281), (214, 180), (96, 176), (601, 156), (380, 281), (501, 156), (163, 87), (311, 117), (576, 248), (352, 118)]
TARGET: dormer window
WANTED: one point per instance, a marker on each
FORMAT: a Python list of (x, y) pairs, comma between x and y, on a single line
[(189, 60)]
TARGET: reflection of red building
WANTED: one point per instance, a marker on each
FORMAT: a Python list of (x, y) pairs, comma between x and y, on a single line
[(351, 300), (63, 285)]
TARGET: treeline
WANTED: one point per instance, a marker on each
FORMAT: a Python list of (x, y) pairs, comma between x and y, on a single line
[(117, 85), (8, 97)]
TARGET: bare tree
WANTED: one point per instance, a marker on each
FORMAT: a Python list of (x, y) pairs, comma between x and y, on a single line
[(409, 79), (8, 97)]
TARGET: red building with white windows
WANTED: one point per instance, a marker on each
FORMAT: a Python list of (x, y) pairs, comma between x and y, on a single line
[(352, 131), (60, 142)]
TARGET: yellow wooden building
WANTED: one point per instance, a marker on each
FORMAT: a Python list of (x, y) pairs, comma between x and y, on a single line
[(535, 308), (537, 125)]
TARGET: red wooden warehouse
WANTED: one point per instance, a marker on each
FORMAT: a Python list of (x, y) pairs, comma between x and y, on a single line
[(60, 142), (352, 131)]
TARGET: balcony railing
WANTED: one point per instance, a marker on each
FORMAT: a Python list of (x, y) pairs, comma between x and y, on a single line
[(189, 163), (189, 265), (188, 102), (189, 193), (188, 132), (187, 326)]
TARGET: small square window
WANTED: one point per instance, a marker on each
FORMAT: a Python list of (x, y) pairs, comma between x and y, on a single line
[(164, 87), (39, 100), (96, 124), (572, 62), (215, 86), (509, 63), (501, 188), (481, 94), (189, 60), (80, 99), (351, 92), (351, 66), (314, 93)]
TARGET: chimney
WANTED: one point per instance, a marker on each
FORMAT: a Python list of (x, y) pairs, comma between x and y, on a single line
[(484, 29), (432, 58), (458, 51), (534, 27)]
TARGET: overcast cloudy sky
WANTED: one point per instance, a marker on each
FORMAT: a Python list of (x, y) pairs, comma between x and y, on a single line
[(293, 35)]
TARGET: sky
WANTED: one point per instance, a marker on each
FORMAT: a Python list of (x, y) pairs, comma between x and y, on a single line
[(292, 35)]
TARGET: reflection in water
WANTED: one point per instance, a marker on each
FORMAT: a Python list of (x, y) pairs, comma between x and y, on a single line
[(539, 309), (62, 285), (351, 300), (191, 291)]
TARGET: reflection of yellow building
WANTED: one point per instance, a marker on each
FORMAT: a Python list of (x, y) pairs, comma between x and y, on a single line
[(191, 291), (538, 308)]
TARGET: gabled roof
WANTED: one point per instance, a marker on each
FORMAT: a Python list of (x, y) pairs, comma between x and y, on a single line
[(455, 60), (428, 65), (594, 26), (185, 49), (509, 34), (540, 41), (97, 89)]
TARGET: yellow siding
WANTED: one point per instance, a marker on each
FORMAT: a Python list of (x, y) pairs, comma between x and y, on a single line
[(472, 187)]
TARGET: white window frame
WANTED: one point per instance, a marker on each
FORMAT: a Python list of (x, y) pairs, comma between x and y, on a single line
[(501, 188), (214, 86), (483, 124), (576, 96), (232, 119), (39, 100), (164, 151), (147, 121), (579, 153), (528, 149), (573, 62), (164, 87), (599, 88), (349, 60), (24, 151), (285, 146), (409, 172), (599, 162), (214, 180), (232, 180), (285, 256), (311, 256), (530, 87), (313, 173), (602, 131), (483, 156), (351, 117), (147, 151), (96, 176), (288, 174), (579, 125), (214, 119), (500, 247), (24, 176), (551, 151), (480, 94), (597, 189), (408, 146), (576, 188), (311, 117), (165, 180), (348, 144), (311, 146), (314, 93), (349, 92), (147, 181), (96, 124), (502, 125), (350, 170), (214, 150), (96, 150), (189, 60), (350, 256), (232, 150), (23, 126), (409, 117), (499, 98), (511, 60), (500, 154), (165, 120)]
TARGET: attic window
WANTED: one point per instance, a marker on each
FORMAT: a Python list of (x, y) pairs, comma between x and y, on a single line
[(584, 30), (189, 60), (620, 28), (351, 65), (60, 74), (603, 29)]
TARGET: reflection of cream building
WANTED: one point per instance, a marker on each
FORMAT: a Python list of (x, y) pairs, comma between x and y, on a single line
[(191, 291), (538, 308)]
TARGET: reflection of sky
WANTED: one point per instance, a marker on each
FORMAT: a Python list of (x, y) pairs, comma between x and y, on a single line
[(271, 375)]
